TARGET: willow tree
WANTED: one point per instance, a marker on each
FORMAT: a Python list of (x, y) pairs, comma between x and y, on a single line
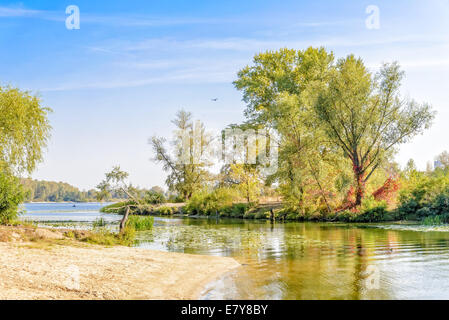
[(24, 132), (187, 163), (365, 115)]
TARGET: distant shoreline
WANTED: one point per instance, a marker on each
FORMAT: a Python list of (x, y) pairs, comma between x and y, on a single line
[(73, 202)]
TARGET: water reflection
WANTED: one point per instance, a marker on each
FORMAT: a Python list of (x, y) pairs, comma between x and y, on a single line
[(297, 260), (312, 261)]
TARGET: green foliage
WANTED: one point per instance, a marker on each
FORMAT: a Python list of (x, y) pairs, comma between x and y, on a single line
[(103, 236), (154, 197), (424, 195), (164, 210), (246, 180), (187, 166), (209, 203), (24, 132), (55, 192), (11, 195), (140, 223), (336, 120), (24, 129), (118, 207), (436, 220)]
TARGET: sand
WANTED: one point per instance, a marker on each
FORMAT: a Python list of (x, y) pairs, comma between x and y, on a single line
[(96, 272)]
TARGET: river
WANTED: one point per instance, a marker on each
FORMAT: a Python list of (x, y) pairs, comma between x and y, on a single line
[(295, 260)]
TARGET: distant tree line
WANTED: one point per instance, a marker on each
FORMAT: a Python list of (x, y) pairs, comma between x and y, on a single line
[(54, 192), (50, 191)]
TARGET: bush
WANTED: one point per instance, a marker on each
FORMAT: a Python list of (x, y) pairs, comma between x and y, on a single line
[(426, 195), (176, 199), (372, 211), (204, 203), (261, 215), (164, 210), (239, 210), (153, 197), (118, 208), (436, 220), (11, 195)]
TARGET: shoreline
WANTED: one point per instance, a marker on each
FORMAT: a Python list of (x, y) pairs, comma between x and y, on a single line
[(66, 269)]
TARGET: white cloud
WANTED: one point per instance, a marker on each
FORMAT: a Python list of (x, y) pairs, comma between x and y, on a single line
[(18, 12)]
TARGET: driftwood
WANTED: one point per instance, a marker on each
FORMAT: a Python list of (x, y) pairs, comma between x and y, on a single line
[(124, 219)]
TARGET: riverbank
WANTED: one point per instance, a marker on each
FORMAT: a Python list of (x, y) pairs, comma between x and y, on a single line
[(59, 268), (263, 211)]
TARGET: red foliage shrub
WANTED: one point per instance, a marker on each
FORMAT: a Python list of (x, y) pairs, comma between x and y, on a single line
[(388, 191)]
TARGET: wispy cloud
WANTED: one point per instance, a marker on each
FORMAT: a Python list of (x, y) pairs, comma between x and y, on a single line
[(257, 45), (18, 12), (206, 73), (142, 20)]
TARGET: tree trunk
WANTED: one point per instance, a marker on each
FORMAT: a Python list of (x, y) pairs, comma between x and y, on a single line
[(124, 219), (360, 189)]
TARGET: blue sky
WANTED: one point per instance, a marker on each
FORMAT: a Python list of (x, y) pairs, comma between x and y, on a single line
[(122, 76)]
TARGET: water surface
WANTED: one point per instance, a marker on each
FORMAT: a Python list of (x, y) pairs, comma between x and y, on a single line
[(66, 212), (302, 260)]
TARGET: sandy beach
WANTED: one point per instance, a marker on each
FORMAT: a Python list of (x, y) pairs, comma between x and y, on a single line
[(88, 271)]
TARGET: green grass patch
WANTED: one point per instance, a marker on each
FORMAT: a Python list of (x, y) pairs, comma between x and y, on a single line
[(140, 223), (103, 236)]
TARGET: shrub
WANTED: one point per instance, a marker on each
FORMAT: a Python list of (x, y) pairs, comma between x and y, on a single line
[(261, 215), (114, 208), (165, 210), (11, 195), (436, 220), (204, 203), (239, 210), (153, 197), (372, 211)]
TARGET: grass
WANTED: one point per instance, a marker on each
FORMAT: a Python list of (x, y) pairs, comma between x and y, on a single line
[(23, 223), (99, 222), (140, 223), (434, 221), (103, 236)]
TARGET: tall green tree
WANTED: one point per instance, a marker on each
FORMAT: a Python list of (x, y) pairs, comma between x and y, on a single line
[(24, 129), (367, 118), (24, 132), (279, 89), (187, 164)]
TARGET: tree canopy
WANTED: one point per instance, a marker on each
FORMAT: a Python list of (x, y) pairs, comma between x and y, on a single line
[(24, 129), (187, 164), (338, 123)]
